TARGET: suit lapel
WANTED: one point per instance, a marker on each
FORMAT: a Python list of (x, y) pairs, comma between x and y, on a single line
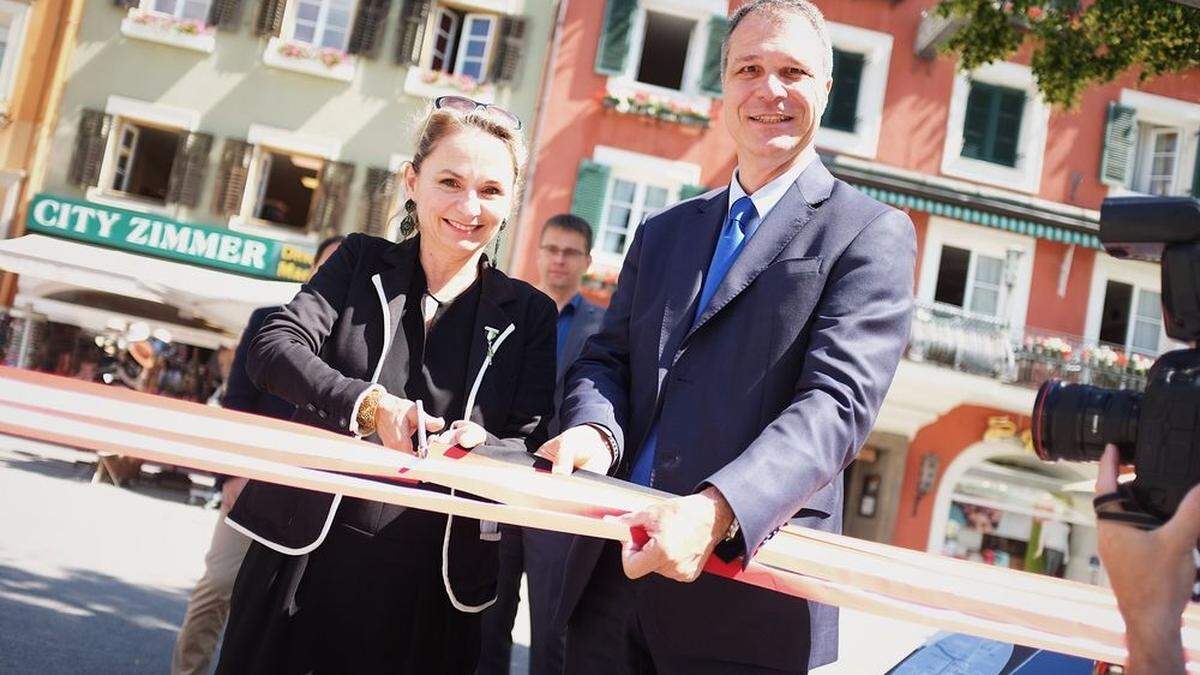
[(774, 233), (494, 296), (686, 275), (394, 278)]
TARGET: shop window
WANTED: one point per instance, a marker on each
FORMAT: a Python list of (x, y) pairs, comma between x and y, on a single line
[(665, 47)]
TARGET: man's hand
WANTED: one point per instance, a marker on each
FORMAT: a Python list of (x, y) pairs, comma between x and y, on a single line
[(581, 447), (230, 490), (1152, 574), (683, 532), (396, 422)]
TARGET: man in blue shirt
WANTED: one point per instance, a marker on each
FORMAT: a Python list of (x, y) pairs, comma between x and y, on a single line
[(564, 254)]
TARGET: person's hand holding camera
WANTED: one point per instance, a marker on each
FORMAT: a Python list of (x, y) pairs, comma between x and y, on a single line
[(1153, 574)]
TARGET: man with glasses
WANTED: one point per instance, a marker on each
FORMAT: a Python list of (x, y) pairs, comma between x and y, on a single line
[(564, 254)]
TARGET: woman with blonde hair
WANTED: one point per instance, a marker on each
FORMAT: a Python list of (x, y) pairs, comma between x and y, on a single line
[(342, 585)]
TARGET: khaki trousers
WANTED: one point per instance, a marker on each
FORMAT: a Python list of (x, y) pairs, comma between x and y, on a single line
[(208, 608)]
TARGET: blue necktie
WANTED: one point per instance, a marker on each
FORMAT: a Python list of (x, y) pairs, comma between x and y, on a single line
[(742, 221)]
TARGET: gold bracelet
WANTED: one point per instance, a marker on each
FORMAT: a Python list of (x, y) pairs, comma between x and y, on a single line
[(366, 412)]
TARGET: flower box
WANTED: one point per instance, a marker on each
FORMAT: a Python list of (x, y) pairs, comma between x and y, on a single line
[(333, 64), (424, 83), (653, 107), (163, 29)]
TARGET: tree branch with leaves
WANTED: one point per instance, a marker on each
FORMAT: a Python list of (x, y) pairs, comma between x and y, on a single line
[(1077, 45)]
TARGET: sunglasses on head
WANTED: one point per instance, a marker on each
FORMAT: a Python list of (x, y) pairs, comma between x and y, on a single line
[(466, 106)]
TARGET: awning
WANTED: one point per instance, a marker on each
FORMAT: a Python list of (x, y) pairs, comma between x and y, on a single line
[(220, 298)]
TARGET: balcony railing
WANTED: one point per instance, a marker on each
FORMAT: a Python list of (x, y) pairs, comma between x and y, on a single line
[(950, 336)]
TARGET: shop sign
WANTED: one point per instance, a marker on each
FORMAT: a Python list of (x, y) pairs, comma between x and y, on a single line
[(154, 235)]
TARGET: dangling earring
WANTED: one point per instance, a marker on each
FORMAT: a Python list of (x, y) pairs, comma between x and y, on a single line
[(409, 224), (495, 258)]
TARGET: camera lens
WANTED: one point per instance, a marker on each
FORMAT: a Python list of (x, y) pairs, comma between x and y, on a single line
[(1073, 422)]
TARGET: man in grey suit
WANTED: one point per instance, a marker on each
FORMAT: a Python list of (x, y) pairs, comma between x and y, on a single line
[(564, 255), (749, 345)]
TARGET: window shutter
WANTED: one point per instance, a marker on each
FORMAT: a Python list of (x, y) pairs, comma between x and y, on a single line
[(381, 193), (270, 17), (614, 40), (591, 184), (414, 16), (1010, 108), (689, 191), (507, 61), (331, 200), (126, 3), (368, 27), (225, 14), (189, 168), (90, 143), (1120, 144), (1196, 174), (842, 111), (231, 177), (710, 80), (975, 121)]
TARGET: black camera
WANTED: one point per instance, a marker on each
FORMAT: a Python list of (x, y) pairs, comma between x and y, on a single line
[(1158, 430)]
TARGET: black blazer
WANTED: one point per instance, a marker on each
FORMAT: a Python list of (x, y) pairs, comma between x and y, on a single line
[(325, 348)]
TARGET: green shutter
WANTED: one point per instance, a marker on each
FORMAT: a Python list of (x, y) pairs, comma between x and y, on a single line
[(614, 41), (367, 32), (689, 191), (414, 15), (1006, 134), (992, 123), (842, 111), (710, 80), (1120, 143), (591, 184), (1196, 174)]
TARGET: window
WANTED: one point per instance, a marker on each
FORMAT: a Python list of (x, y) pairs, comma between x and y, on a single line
[(628, 202), (665, 46), (12, 31), (842, 111), (183, 10), (969, 280), (285, 188), (323, 23), (1131, 318), (992, 126), (854, 114), (142, 159), (1151, 145), (1158, 163), (996, 129), (461, 42)]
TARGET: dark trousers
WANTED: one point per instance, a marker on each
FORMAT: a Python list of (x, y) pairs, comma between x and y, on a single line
[(541, 556), (610, 633)]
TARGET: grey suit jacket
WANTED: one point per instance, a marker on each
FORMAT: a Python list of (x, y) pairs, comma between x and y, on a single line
[(768, 396), (583, 326)]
